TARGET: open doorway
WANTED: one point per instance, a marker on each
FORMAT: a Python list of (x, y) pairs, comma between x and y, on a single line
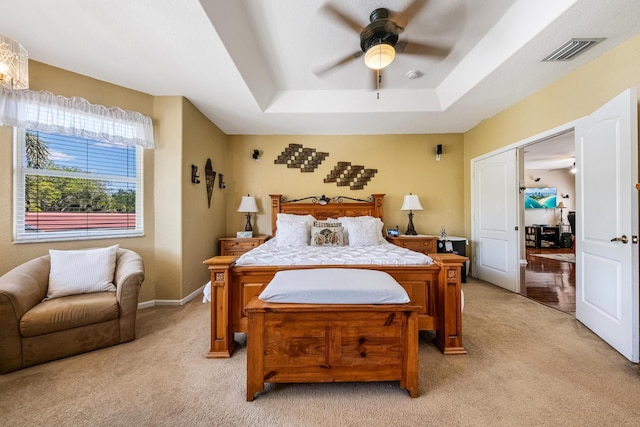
[(548, 195)]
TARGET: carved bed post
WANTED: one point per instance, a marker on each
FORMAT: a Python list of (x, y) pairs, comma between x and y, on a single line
[(275, 208), (378, 205), (449, 301), (222, 343)]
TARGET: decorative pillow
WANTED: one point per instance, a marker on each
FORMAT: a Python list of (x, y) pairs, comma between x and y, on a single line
[(362, 230), (81, 271), (328, 233), (293, 230)]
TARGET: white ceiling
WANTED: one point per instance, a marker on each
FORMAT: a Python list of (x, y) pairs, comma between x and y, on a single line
[(249, 65), (555, 153)]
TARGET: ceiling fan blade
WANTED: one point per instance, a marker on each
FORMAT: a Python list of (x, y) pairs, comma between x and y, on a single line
[(403, 17), (346, 20), (340, 62), (416, 48)]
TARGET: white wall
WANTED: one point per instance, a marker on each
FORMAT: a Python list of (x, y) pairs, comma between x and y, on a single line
[(564, 181)]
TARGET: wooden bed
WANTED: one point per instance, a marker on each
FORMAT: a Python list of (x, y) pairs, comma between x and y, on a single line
[(436, 288)]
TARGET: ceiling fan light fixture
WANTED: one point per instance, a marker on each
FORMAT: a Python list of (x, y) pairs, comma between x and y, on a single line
[(379, 56)]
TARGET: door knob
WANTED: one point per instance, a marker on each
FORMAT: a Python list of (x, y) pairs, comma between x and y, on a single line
[(622, 239)]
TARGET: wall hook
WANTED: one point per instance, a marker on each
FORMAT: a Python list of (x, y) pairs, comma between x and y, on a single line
[(195, 177)]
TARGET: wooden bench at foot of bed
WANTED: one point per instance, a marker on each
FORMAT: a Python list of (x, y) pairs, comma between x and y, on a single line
[(311, 343), (435, 288)]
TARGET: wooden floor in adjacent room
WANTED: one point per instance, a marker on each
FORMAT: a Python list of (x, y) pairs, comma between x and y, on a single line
[(550, 278)]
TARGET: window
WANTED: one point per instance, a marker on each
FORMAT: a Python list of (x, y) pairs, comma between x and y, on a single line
[(77, 166), (70, 187)]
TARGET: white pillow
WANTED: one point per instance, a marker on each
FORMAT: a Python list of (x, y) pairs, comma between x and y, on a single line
[(81, 271), (295, 218), (334, 286), (293, 230), (362, 230)]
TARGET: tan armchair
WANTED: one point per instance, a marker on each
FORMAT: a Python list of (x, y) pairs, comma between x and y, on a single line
[(34, 331)]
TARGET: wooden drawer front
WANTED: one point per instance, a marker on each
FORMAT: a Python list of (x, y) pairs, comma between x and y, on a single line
[(234, 247), (333, 340), (419, 245)]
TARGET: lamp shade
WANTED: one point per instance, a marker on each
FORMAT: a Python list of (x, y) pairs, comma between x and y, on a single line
[(379, 56), (248, 204), (411, 203), (561, 205), (14, 64)]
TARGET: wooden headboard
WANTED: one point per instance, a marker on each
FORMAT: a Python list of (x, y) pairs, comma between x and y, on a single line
[(325, 207)]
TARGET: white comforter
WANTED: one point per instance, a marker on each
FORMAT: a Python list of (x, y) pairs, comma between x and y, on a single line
[(386, 253)]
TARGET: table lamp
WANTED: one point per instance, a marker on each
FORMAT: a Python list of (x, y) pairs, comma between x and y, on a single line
[(248, 205), (561, 206), (411, 203)]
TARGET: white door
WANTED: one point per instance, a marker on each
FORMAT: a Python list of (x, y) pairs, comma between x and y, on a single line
[(607, 223), (495, 219)]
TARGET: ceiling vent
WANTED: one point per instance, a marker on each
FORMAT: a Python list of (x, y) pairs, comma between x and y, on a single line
[(571, 49)]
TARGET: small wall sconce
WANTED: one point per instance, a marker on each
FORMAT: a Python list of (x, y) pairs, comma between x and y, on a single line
[(564, 196), (256, 155), (195, 178), (438, 151), (221, 183)]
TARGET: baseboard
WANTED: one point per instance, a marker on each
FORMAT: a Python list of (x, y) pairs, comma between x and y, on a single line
[(183, 301)]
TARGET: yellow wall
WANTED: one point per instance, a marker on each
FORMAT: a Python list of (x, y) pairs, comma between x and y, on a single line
[(180, 230), (167, 196), (201, 225), (405, 163), (567, 99)]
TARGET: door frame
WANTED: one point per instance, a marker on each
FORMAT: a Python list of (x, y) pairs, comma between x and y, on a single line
[(550, 133)]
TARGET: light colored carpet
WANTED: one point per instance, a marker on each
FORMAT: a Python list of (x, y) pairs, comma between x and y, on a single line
[(558, 257), (527, 365)]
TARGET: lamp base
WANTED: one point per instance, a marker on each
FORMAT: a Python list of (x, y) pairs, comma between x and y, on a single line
[(410, 230), (247, 227)]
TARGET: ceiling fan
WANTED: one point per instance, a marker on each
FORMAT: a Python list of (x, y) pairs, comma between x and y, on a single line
[(380, 39)]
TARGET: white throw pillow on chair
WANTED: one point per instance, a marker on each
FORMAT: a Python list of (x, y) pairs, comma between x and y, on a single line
[(81, 271)]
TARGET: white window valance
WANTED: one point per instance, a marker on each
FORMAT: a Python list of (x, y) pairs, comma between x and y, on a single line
[(46, 112)]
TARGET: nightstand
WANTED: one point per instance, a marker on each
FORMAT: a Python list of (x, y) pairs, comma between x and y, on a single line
[(420, 243), (238, 245)]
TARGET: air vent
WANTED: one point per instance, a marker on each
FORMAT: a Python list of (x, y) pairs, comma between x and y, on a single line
[(571, 49)]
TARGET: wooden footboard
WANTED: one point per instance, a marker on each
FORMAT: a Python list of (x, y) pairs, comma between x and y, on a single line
[(295, 343), (435, 288)]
